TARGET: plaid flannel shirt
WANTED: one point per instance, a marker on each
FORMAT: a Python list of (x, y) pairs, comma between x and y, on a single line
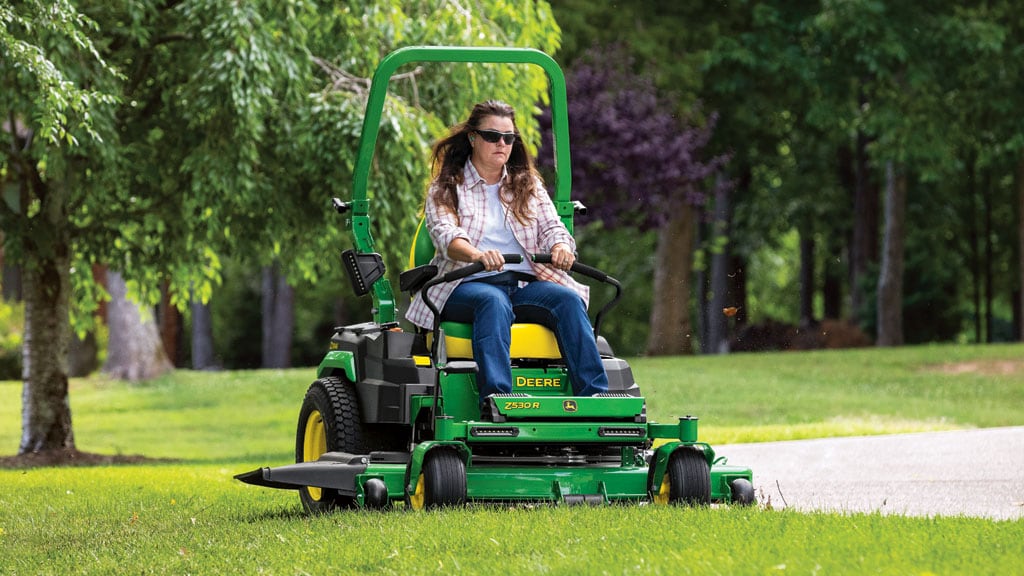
[(539, 236)]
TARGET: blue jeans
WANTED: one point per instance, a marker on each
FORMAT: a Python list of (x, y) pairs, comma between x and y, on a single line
[(491, 306)]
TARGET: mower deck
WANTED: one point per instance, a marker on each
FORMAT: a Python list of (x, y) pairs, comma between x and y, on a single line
[(553, 456), (506, 482)]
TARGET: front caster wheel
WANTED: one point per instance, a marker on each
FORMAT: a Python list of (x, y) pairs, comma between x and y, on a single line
[(442, 481), (742, 492), (375, 494), (687, 479)]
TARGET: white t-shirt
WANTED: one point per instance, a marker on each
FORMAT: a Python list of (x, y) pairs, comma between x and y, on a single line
[(498, 234)]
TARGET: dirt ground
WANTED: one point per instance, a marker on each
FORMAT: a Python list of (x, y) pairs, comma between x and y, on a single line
[(72, 458), (992, 367)]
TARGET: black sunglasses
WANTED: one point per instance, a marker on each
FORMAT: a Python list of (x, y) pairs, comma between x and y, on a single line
[(493, 136)]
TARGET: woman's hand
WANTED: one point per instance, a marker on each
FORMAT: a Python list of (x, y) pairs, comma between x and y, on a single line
[(491, 259), (460, 249), (562, 257)]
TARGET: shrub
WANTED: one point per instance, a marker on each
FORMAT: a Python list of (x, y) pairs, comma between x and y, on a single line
[(12, 325), (774, 335)]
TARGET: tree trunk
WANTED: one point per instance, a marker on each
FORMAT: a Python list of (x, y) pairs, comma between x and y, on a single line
[(46, 410), (278, 318), (10, 281), (986, 199), (1015, 311), (864, 247), (806, 277), (284, 324), (718, 322), (974, 239), (890, 281), (738, 289), (170, 328), (203, 357), (10, 276), (671, 332), (700, 281), (832, 290), (1020, 228), (267, 289), (83, 355), (134, 350)]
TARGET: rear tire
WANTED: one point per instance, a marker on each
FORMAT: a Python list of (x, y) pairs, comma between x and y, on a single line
[(328, 422), (441, 483), (689, 478)]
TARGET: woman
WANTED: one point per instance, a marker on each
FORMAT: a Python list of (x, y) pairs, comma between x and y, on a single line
[(487, 200)]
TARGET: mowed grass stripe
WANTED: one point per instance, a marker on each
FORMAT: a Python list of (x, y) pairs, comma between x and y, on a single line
[(739, 398), (192, 517), (195, 519)]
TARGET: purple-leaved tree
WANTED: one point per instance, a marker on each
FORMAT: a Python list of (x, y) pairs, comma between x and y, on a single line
[(637, 163)]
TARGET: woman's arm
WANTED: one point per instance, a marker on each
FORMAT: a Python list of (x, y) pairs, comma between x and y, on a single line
[(443, 226), (461, 249), (452, 241), (550, 229)]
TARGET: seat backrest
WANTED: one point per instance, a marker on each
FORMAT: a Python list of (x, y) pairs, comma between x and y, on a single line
[(422, 249)]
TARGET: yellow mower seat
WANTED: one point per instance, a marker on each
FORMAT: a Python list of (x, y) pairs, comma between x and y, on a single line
[(528, 340)]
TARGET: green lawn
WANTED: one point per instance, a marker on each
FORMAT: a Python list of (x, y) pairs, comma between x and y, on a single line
[(783, 396), (192, 517)]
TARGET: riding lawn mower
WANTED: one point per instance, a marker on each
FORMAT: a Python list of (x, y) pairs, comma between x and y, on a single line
[(394, 416)]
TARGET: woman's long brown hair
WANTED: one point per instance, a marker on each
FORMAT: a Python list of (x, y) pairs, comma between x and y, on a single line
[(450, 154)]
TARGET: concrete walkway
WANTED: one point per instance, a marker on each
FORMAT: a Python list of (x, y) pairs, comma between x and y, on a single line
[(972, 472)]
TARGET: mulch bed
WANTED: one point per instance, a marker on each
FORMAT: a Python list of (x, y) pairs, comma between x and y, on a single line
[(53, 458)]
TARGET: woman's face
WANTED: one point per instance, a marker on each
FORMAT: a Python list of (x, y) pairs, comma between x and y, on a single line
[(489, 156)]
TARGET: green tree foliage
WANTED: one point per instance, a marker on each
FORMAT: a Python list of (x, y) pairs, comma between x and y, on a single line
[(930, 82), (157, 136), (57, 103), (39, 83), (637, 164), (815, 98)]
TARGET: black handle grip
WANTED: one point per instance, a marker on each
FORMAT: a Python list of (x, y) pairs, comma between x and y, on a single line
[(461, 272), (589, 271)]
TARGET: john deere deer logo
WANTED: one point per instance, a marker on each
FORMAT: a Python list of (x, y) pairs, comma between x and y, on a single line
[(569, 405)]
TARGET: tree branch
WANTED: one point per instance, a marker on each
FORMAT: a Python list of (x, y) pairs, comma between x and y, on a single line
[(343, 81), (12, 127), (172, 37), (19, 147), (7, 215), (340, 79)]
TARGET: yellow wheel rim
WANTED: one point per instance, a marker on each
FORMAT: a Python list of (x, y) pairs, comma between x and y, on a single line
[(417, 497), (314, 444), (661, 498)]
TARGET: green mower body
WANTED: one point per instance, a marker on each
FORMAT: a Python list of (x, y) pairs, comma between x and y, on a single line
[(394, 416)]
